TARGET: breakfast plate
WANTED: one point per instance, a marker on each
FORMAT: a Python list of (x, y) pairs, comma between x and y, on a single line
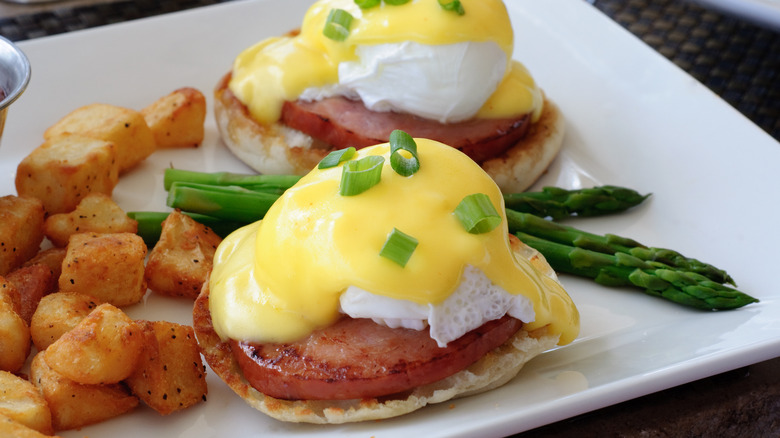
[(634, 119)]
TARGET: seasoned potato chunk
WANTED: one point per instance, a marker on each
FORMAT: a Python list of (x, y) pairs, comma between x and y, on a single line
[(57, 314), (181, 259), (51, 258), (20, 400), (14, 338), (96, 213), (63, 170), (103, 348), (32, 283), (21, 230), (176, 120), (124, 127), (170, 374), (12, 428), (74, 405), (10, 294), (109, 267)]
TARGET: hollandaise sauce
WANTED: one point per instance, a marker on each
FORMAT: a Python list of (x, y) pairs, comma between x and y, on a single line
[(281, 68), (281, 278)]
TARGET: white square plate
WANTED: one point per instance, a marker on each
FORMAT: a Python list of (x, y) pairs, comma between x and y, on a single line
[(634, 119)]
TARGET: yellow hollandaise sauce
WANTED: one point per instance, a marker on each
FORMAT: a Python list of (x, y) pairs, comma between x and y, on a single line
[(280, 278), (279, 69)]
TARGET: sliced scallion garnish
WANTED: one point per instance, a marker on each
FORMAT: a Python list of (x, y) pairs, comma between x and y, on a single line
[(337, 25), (398, 247), (477, 214), (367, 4), (396, 2), (401, 142), (334, 158), (360, 175), (452, 5)]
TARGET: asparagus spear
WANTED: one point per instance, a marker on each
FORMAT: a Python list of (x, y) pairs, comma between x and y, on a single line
[(558, 203), (621, 269), (222, 202), (150, 224), (265, 183), (610, 244)]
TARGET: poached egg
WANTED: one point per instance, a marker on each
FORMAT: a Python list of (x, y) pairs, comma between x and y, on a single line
[(316, 256), (416, 58)]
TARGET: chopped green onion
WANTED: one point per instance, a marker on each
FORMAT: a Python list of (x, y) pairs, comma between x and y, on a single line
[(360, 175), (477, 214), (335, 158), (337, 25), (401, 141), (396, 2), (398, 247), (367, 4), (452, 5)]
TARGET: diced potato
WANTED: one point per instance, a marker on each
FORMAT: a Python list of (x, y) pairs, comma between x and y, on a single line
[(182, 258), (57, 314), (11, 295), (74, 405), (96, 213), (170, 374), (20, 400), (176, 120), (109, 267), (21, 230), (103, 348), (63, 170), (32, 283), (51, 258), (124, 127), (12, 428), (14, 338)]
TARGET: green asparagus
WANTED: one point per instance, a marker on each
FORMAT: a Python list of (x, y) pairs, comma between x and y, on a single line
[(559, 203), (276, 184), (621, 269), (222, 202), (610, 244), (150, 224)]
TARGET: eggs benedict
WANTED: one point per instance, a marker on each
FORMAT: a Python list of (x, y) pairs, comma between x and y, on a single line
[(358, 69), (384, 280)]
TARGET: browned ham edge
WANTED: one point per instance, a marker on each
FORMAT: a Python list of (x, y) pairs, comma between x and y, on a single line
[(342, 122), (357, 358)]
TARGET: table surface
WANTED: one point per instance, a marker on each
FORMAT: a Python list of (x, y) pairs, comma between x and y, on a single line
[(737, 60)]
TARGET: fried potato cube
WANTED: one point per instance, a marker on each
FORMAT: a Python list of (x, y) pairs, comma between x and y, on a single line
[(124, 127), (176, 120), (32, 283), (21, 230), (20, 400), (74, 405), (103, 348), (182, 258), (12, 428), (14, 338), (51, 258), (57, 314), (11, 295), (109, 267), (96, 213), (170, 374), (63, 170)]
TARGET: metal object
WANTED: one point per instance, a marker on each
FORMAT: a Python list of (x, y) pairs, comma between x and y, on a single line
[(14, 76)]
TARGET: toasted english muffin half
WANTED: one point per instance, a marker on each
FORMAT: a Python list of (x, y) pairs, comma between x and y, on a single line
[(279, 149), (494, 369)]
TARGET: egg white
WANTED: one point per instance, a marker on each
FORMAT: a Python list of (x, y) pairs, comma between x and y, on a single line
[(476, 301), (448, 83)]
